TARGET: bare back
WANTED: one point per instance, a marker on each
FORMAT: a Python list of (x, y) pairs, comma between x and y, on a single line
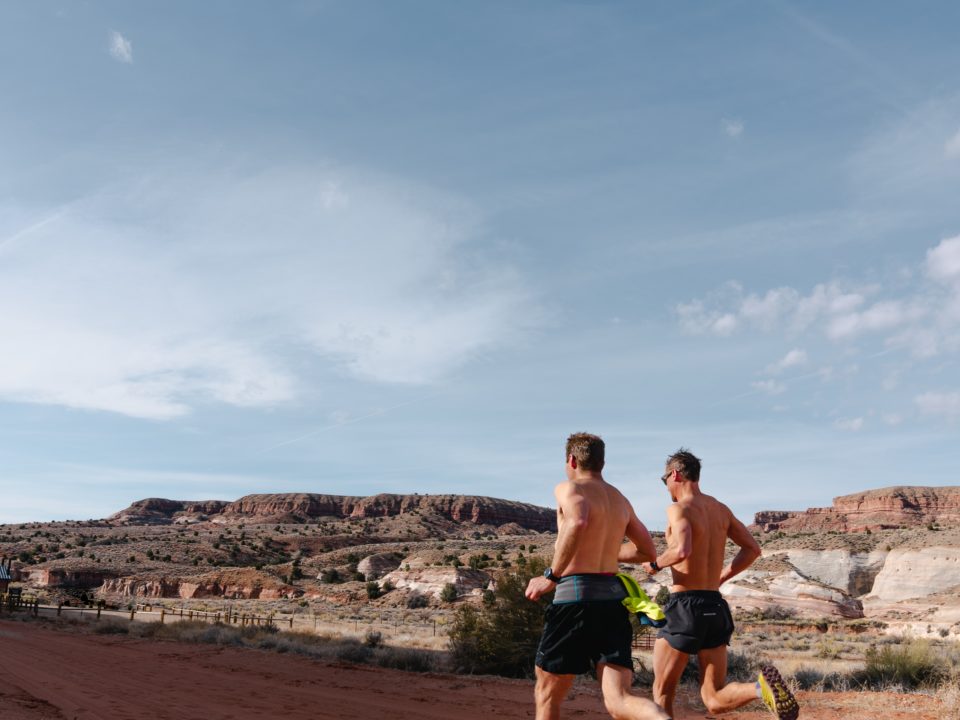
[(602, 514), (709, 522)]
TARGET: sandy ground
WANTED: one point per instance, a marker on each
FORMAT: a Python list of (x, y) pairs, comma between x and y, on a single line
[(54, 674)]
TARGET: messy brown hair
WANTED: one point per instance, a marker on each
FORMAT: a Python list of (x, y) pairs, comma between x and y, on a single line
[(687, 463), (587, 449)]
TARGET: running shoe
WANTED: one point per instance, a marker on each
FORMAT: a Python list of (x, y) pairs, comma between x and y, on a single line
[(776, 695)]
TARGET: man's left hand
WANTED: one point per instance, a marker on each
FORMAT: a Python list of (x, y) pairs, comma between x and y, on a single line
[(538, 587), (648, 568)]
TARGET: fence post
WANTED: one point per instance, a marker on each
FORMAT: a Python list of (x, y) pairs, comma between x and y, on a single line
[(98, 612), (162, 614), (59, 609), (133, 610), (291, 622)]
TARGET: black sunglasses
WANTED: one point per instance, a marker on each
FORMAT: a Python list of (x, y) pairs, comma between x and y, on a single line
[(664, 478)]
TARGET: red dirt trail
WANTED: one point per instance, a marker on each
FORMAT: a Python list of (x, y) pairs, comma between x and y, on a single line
[(55, 675)]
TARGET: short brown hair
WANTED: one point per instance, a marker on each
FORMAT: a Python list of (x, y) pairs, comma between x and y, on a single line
[(587, 449), (687, 463)]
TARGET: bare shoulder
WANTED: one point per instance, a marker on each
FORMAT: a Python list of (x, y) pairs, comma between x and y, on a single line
[(565, 489), (719, 506)]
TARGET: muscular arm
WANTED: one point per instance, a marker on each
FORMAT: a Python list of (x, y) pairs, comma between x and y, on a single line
[(749, 550), (681, 538), (572, 513), (640, 548), (575, 511)]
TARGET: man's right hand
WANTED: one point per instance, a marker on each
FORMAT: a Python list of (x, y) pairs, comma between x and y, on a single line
[(538, 587)]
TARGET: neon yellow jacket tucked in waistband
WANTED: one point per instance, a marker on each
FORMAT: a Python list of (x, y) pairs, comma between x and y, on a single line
[(637, 601)]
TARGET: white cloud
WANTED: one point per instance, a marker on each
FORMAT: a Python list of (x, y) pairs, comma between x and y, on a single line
[(952, 146), (943, 261), (881, 316), (733, 127), (792, 359), (893, 419), (946, 404), (770, 387), (729, 309), (193, 287), (121, 49), (849, 424)]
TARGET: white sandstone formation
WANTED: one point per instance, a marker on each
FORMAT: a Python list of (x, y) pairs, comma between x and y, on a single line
[(426, 580), (915, 573), (376, 566), (790, 591)]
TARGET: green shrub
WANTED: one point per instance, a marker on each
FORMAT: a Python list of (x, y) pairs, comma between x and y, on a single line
[(449, 593), (417, 601), (916, 664), (500, 638)]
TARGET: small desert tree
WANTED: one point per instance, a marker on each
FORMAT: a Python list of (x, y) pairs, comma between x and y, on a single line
[(501, 637), (449, 593)]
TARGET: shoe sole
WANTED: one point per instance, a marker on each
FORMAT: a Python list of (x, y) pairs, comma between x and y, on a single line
[(776, 695)]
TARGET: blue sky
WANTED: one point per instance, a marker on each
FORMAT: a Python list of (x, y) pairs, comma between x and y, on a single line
[(361, 247)]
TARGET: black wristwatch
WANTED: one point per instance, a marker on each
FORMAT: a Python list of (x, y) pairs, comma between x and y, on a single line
[(653, 564), (548, 574)]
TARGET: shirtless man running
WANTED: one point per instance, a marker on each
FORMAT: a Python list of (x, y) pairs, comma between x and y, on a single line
[(698, 618), (587, 623)]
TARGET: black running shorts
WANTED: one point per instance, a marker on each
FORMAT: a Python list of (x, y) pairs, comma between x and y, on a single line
[(697, 620), (579, 635)]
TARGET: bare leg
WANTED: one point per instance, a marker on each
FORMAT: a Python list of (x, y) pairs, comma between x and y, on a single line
[(717, 696), (549, 692), (668, 665), (615, 683)]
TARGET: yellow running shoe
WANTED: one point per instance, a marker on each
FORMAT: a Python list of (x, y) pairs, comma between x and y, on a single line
[(776, 695)]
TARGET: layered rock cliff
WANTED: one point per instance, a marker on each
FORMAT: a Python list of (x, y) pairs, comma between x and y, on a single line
[(236, 584), (473, 509), (160, 511), (892, 507)]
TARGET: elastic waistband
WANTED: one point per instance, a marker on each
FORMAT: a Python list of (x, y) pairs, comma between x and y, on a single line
[(700, 594), (588, 587)]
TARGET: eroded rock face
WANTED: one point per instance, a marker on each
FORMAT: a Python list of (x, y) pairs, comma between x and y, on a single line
[(853, 573), (301, 506), (376, 566), (915, 573), (431, 580), (875, 509), (790, 591), (228, 584), (160, 511), (62, 577)]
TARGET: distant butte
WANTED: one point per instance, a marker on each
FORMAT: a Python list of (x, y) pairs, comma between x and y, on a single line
[(887, 508), (294, 507)]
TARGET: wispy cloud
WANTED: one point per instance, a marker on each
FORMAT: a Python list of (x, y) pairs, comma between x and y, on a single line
[(943, 261), (120, 48), (841, 312), (793, 358), (732, 127), (770, 387), (849, 424), (952, 146), (944, 404), (196, 286)]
